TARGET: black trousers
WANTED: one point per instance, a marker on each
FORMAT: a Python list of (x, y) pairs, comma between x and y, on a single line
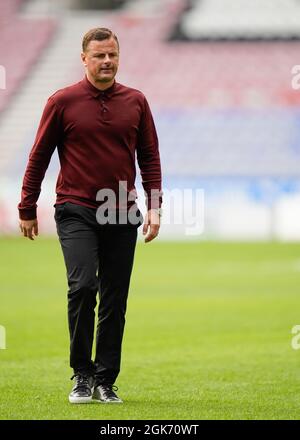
[(98, 258)]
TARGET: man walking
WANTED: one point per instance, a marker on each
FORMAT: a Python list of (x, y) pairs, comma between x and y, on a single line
[(98, 126)]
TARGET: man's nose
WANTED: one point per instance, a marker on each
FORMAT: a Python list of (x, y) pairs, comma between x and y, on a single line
[(107, 59)]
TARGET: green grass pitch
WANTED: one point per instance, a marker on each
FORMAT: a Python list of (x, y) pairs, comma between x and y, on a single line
[(207, 336)]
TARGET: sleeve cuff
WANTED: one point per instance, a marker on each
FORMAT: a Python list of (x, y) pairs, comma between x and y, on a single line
[(27, 214)]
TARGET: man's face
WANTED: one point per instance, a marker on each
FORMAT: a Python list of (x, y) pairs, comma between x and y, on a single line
[(102, 60)]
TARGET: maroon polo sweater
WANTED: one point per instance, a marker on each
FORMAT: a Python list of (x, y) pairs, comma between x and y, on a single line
[(98, 135)]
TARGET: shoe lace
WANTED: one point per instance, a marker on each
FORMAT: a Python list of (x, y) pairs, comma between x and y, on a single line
[(109, 390), (81, 381)]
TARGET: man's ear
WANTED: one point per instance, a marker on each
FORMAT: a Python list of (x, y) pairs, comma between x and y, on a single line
[(83, 58)]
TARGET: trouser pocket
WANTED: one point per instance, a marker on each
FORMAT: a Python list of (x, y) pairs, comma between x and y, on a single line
[(59, 211)]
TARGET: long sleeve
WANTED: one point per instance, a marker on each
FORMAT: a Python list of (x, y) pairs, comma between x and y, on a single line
[(148, 158), (46, 140)]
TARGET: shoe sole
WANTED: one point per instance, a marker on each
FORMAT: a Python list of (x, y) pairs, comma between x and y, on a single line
[(80, 399), (107, 401)]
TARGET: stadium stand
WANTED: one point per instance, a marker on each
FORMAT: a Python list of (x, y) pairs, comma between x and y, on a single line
[(21, 43), (7, 10), (240, 20)]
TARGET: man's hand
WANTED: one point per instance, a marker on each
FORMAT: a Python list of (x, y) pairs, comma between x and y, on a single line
[(29, 227), (152, 221)]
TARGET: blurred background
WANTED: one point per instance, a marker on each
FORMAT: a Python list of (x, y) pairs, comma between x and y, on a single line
[(218, 77)]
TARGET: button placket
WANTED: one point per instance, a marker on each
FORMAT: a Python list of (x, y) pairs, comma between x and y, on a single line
[(104, 109)]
